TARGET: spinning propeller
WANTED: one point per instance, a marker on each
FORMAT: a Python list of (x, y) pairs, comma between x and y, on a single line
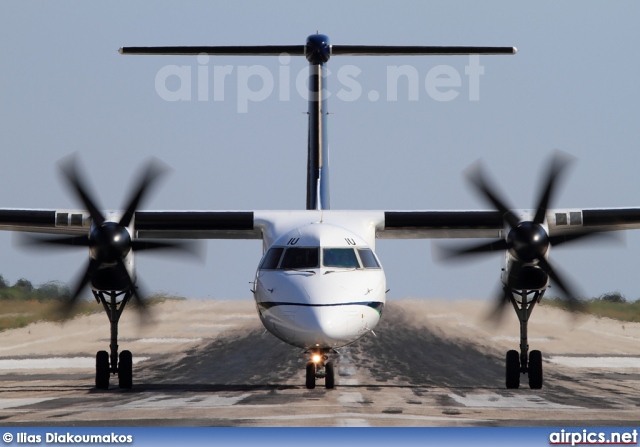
[(109, 242), (527, 241)]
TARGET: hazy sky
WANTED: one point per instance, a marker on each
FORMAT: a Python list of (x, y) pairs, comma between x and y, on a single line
[(572, 86)]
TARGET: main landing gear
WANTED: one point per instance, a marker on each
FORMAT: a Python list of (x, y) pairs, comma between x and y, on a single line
[(319, 367), (526, 362), (112, 363)]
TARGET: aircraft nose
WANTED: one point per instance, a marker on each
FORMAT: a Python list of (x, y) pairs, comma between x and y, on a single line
[(313, 310), (325, 324)]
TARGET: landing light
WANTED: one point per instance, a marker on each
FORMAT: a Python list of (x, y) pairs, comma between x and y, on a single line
[(316, 358)]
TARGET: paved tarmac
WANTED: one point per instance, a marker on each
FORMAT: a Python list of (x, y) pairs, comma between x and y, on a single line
[(431, 363)]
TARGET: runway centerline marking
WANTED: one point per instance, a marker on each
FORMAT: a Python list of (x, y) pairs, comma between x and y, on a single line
[(350, 398)]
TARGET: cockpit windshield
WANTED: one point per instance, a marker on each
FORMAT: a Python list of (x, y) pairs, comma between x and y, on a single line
[(272, 258), (309, 258), (300, 258), (340, 257), (368, 259)]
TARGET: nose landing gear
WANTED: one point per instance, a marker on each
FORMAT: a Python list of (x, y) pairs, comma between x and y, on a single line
[(319, 367)]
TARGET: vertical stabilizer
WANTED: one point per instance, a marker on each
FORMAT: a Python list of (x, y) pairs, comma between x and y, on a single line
[(317, 52)]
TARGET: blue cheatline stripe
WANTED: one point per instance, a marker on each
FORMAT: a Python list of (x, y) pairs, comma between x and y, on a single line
[(377, 305)]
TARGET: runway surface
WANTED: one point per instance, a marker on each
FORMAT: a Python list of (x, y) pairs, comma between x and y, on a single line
[(431, 363)]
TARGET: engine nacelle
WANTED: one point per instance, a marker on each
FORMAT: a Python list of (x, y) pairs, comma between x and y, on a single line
[(112, 278), (529, 277)]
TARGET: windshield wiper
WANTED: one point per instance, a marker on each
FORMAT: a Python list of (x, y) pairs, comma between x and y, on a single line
[(343, 270), (301, 270)]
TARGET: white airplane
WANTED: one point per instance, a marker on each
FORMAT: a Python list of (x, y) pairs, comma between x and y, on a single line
[(319, 285)]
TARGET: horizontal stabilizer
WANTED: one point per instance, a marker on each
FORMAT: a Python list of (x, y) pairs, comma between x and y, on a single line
[(377, 50), (261, 50), (299, 50)]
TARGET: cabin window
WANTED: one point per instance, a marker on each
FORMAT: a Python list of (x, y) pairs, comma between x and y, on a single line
[(368, 259), (300, 258), (340, 257), (272, 258)]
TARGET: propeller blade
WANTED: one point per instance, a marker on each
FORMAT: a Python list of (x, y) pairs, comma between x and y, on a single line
[(504, 298), (476, 177), (155, 169), (191, 248), (68, 166), (141, 305), (497, 311), (450, 252), (69, 304), (588, 234), (30, 240), (571, 299), (558, 163)]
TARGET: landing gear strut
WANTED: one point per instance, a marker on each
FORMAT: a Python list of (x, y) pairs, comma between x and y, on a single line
[(112, 363), (319, 367), (525, 362)]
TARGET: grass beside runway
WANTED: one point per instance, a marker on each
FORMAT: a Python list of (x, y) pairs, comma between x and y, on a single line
[(16, 314), (611, 305), (23, 304)]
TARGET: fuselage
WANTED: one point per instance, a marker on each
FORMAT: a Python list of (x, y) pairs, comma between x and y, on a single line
[(320, 286)]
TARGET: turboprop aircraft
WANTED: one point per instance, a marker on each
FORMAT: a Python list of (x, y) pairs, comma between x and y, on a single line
[(319, 285)]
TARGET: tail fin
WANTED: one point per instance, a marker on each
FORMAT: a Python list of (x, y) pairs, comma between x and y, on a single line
[(318, 51)]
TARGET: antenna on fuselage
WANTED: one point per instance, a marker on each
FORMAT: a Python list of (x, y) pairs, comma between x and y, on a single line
[(318, 50)]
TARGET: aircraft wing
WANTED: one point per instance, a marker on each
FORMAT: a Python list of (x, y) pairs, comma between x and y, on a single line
[(39, 221), (149, 224), (489, 224), (197, 225), (440, 224), (257, 224)]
